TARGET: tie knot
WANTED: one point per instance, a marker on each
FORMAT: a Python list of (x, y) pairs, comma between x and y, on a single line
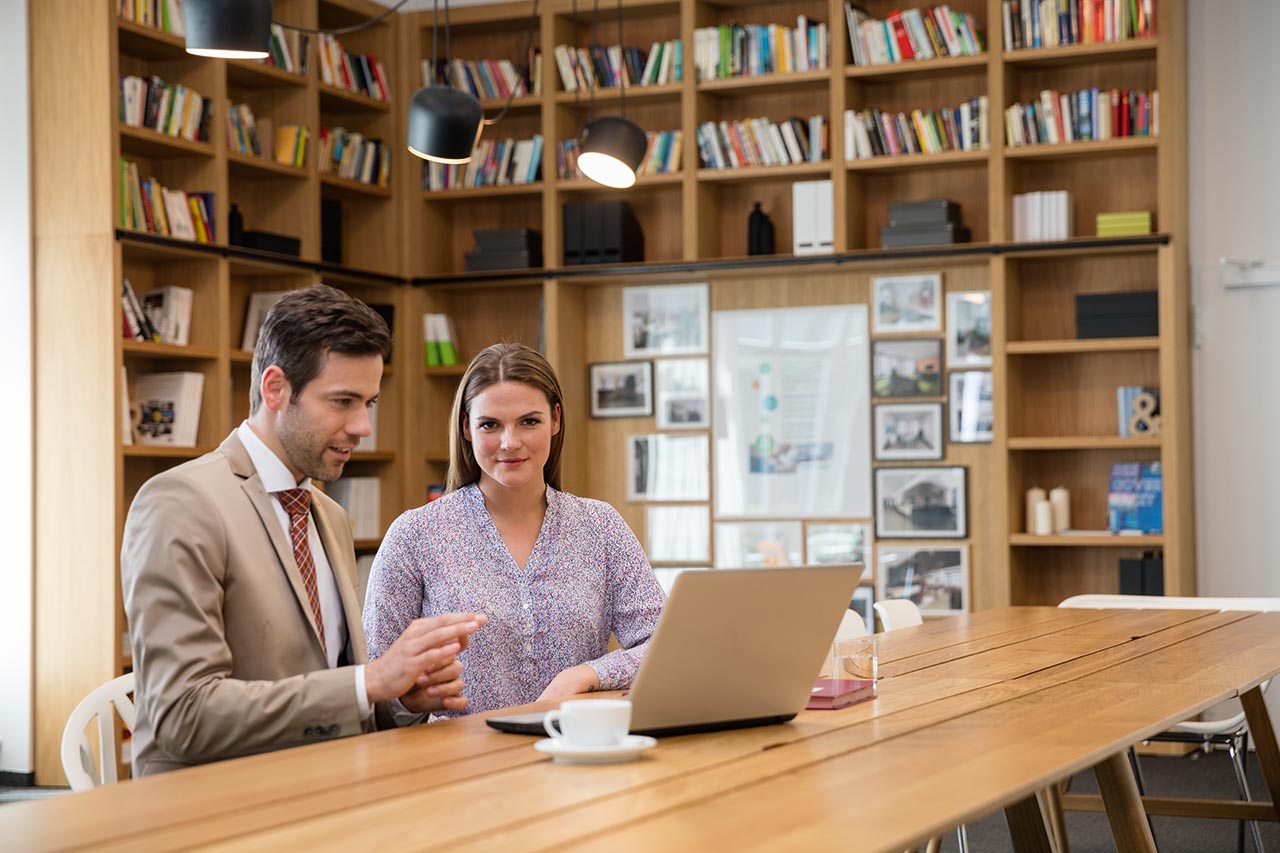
[(296, 502)]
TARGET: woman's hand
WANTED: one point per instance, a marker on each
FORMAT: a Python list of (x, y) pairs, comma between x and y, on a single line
[(571, 682)]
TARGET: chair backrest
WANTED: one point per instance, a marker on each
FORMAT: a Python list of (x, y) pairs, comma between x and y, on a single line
[(851, 627), (77, 751), (1171, 602), (898, 613)]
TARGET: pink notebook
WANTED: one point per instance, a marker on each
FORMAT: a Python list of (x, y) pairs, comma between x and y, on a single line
[(831, 693)]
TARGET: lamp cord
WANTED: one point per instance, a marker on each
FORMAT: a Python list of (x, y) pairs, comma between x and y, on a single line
[(622, 65), (338, 31)]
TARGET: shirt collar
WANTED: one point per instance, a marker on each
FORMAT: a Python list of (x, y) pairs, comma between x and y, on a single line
[(273, 473)]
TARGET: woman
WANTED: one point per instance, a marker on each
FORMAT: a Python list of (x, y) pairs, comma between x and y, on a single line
[(555, 573)]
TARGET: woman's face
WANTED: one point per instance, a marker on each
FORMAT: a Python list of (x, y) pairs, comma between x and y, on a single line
[(510, 425)]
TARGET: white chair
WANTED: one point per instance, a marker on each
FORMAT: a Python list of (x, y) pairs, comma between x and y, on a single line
[(77, 751), (898, 613), (852, 626), (1231, 732)]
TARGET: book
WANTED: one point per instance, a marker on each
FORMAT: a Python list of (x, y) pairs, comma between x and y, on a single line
[(435, 491), (260, 305), (360, 497), (831, 693), (169, 311), (1135, 498), (170, 408)]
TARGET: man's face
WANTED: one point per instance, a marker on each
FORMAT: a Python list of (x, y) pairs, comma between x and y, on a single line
[(324, 424)]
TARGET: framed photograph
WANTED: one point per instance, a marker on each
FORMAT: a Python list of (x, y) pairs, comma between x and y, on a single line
[(622, 389), (759, 544), (668, 468), (906, 303), (683, 393), (936, 579), (838, 543), (668, 320), (678, 534), (969, 328), (908, 431), (863, 598), (911, 368), (972, 407), (921, 503)]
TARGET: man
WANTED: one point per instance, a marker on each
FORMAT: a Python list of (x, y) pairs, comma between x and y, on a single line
[(238, 575)]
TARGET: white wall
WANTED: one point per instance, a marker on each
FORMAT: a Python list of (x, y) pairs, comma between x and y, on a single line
[(15, 389), (1235, 212)]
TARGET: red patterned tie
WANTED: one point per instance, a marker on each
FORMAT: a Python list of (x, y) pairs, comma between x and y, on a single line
[(297, 502)]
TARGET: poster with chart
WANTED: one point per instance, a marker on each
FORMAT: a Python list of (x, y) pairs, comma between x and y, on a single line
[(792, 413)]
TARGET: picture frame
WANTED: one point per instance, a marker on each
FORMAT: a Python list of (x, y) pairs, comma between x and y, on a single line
[(906, 303), (759, 544), (683, 387), (678, 534), (935, 577), (862, 604), (921, 503), (972, 407), (668, 468), (840, 542), (908, 431), (665, 320), (621, 389), (906, 368), (968, 328)]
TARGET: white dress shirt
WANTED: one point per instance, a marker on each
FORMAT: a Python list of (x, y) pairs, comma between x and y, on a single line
[(276, 478)]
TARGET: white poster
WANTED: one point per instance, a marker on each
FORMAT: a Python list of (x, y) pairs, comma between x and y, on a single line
[(792, 413)]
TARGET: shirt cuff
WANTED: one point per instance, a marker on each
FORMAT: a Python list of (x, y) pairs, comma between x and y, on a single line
[(362, 695)]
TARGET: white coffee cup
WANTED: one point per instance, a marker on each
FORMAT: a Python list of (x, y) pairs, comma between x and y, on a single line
[(589, 722)]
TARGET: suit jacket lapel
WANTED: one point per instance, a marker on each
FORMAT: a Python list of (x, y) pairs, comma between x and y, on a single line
[(242, 465), (344, 576)]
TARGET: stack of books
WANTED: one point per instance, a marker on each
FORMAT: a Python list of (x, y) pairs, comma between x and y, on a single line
[(162, 315), (164, 15), (349, 155), (872, 133), (440, 342), (661, 156), (1053, 23), (288, 49), (147, 206), (165, 108), (1042, 216), (490, 79), (1124, 224), (761, 142), (291, 145), (923, 223), (354, 72), (911, 34), (360, 497), (170, 406), (1083, 115), (735, 50), (599, 67), (242, 131), (494, 163)]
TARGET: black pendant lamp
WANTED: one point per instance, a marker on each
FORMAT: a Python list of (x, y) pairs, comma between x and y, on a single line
[(228, 29), (444, 122), (612, 146)]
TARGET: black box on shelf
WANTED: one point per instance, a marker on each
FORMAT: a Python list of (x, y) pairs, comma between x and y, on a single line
[(907, 236), (265, 241), (601, 232), (1142, 576), (934, 211), (331, 230), (509, 259), (508, 240), (1130, 314)]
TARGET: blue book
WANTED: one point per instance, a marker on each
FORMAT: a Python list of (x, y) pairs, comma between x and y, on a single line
[(1150, 499), (1122, 496)]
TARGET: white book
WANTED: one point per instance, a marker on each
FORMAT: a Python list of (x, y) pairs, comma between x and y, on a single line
[(170, 408), (260, 305), (169, 310), (359, 497)]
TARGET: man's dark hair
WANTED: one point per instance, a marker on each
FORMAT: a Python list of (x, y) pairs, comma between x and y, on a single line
[(306, 325)]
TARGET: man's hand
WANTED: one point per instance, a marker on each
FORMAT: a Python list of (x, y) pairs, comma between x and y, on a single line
[(571, 682), (443, 691), (427, 646)]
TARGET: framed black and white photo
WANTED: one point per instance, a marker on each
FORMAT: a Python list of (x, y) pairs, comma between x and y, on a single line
[(908, 431), (844, 542), (683, 393), (935, 578), (972, 407), (910, 368), (921, 503), (668, 468), (863, 598), (667, 320), (969, 328), (622, 389), (906, 303)]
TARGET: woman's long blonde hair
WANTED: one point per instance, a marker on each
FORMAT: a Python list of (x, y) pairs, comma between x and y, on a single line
[(504, 362)]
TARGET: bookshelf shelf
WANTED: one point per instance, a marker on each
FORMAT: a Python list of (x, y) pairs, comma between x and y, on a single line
[(1093, 148), (336, 100), (156, 451), (917, 161), (1139, 48), (354, 189), (145, 142), (154, 350), (1103, 540), (255, 75), (241, 356), (764, 173), (637, 93), (153, 248), (1080, 247), (893, 70), (766, 82), (373, 456), (466, 193), (1065, 347), (1085, 442), (250, 166), (141, 235), (584, 185), (149, 42), (520, 103)]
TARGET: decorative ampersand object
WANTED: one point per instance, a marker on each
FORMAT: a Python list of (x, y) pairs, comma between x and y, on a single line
[(1144, 420)]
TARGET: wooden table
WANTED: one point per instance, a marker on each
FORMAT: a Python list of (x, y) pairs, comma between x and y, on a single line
[(975, 714)]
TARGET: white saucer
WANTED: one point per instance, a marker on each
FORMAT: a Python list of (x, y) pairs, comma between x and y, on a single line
[(628, 750)]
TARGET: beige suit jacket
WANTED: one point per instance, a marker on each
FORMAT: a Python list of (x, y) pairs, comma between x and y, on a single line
[(225, 647)]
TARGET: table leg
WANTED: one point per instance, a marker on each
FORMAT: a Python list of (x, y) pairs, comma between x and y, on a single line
[(1124, 805), (1264, 740), (1027, 826), (1052, 798)]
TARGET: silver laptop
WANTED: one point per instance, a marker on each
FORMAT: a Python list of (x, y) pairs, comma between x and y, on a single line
[(734, 648)]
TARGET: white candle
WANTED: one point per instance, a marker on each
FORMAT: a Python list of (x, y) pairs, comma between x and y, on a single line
[(1034, 495), (1044, 518), (1060, 500)]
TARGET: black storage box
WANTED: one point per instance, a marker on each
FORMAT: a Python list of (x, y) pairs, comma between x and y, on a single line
[(508, 240), (934, 211), (1131, 314), (331, 230), (510, 259), (601, 232), (1144, 576), (265, 241), (902, 237)]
